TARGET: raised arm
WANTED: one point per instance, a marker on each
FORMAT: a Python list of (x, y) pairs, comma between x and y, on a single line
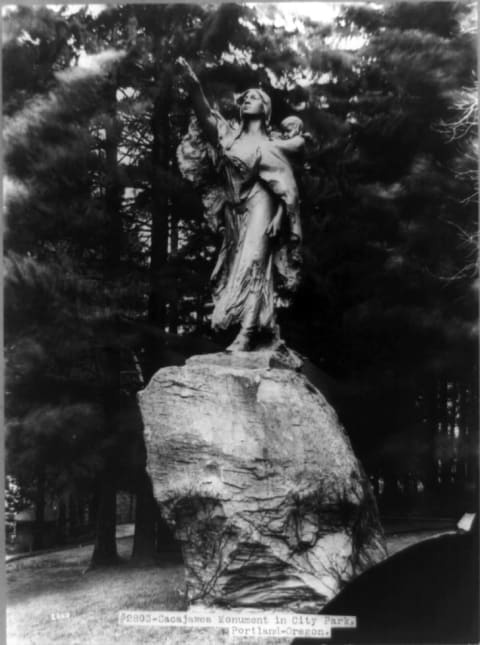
[(201, 106)]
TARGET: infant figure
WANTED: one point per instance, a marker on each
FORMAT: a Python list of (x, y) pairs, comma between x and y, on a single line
[(291, 127)]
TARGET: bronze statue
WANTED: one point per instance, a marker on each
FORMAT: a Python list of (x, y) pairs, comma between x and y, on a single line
[(256, 206)]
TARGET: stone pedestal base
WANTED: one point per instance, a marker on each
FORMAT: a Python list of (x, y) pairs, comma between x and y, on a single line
[(256, 476)]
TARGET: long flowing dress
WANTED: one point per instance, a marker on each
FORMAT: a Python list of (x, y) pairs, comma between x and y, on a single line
[(254, 274)]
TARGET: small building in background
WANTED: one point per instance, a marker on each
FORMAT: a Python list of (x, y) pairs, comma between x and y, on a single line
[(24, 529)]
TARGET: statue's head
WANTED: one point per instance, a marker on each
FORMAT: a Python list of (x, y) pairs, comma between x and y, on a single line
[(255, 102)]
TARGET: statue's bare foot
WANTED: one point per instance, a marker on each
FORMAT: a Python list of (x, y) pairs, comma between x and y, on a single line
[(241, 342)]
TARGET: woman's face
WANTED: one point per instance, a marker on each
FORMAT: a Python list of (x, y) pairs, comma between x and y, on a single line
[(252, 103)]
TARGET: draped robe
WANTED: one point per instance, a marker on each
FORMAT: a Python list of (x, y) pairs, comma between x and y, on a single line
[(254, 273)]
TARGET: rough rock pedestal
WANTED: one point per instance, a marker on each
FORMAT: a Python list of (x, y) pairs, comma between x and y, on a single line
[(259, 482)]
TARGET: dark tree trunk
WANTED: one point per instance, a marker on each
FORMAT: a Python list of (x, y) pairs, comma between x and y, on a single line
[(160, 157), (105, 549), (146, 515), (39, 524), (173, 303), (72, 514), (113, 189), (93, 508), (432, 416), (461, 470), (160, 202), (442, 429), (472, 425), (62, 522), (131, 508)]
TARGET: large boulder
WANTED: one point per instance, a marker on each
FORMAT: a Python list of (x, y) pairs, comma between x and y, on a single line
[(257, 478)]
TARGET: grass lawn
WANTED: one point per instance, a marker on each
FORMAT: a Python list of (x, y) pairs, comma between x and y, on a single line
[(54, 600), (41, 587)]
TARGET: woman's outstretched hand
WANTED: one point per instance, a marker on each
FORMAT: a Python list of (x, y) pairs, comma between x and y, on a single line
[(186, 69)]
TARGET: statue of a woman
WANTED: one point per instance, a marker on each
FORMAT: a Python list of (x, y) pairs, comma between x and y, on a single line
[(259, 261)]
